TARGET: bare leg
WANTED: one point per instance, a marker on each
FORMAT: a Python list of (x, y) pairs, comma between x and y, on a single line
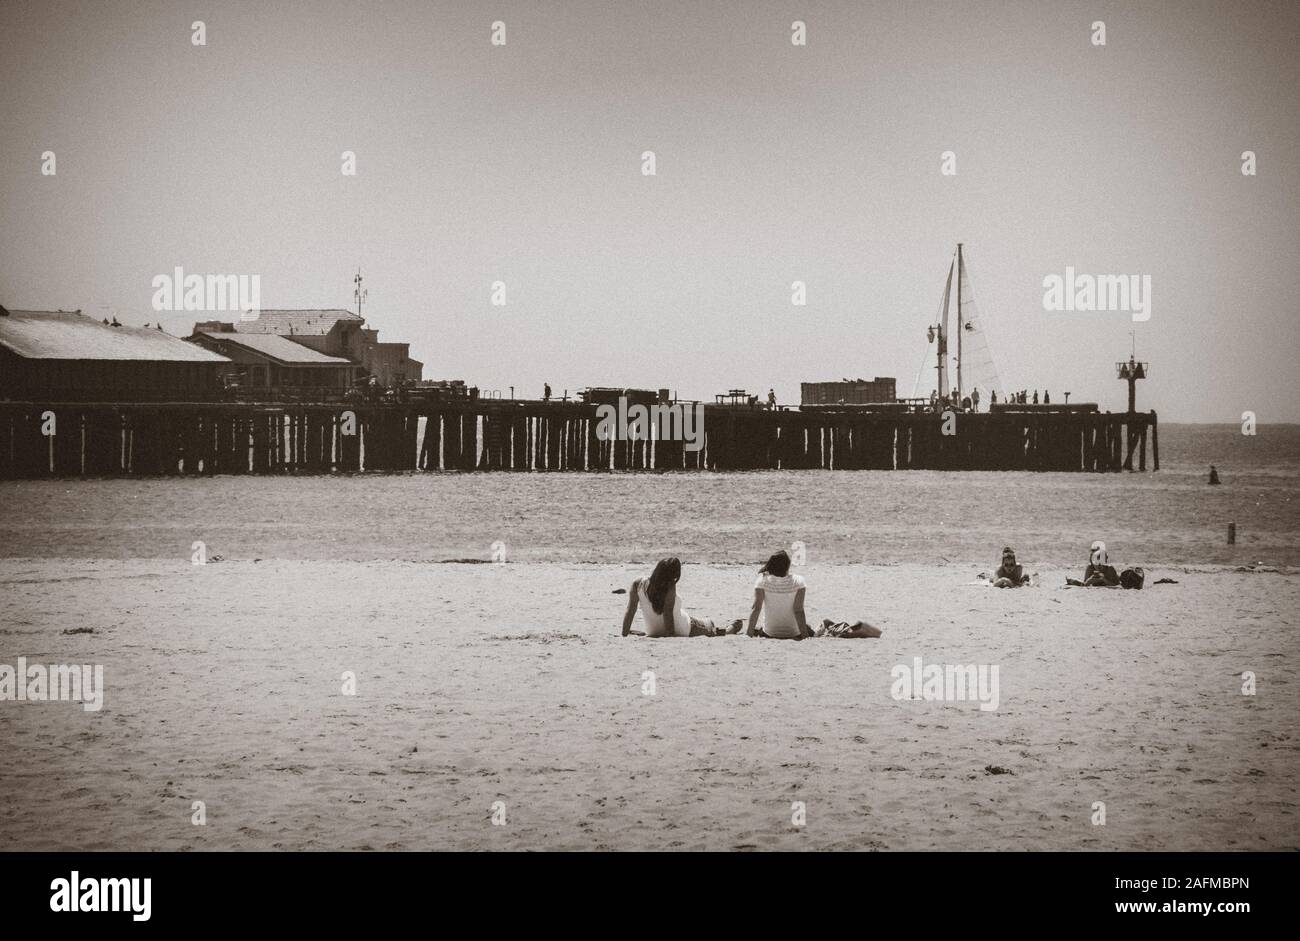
[(702, 628)]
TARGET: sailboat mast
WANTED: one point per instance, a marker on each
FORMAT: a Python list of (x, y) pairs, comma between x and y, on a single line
[(943, 338), (961, 270)]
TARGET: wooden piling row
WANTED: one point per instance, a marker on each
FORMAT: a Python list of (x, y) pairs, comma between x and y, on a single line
[(38, 440)]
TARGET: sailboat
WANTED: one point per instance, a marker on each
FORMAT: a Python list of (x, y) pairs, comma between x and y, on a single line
[(972, 364)]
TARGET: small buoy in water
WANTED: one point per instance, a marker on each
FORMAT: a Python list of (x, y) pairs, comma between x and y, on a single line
[(1214, 475), (1232, 534)]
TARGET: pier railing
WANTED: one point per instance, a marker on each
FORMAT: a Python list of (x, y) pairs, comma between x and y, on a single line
[(139, 439)]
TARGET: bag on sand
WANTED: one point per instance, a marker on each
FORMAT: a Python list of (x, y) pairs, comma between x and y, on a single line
[(1132, 578)]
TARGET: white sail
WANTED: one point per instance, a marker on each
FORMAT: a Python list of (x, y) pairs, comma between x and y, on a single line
[(977, 369)]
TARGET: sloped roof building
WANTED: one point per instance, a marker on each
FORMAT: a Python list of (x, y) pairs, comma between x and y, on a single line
[(333, 332), (267, 361), (66, 356)]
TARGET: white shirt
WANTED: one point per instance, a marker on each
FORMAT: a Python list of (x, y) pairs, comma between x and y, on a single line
[(778, 603)]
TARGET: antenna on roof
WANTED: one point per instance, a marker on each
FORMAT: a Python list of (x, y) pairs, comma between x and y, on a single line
[(359, 293)]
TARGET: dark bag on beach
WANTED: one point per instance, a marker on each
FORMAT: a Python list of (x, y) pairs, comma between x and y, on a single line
[(1132, 578)]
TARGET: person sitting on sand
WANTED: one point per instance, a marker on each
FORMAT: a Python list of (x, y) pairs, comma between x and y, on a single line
[(661, 606), (779, 596), (1098, 574), (1009, 574)]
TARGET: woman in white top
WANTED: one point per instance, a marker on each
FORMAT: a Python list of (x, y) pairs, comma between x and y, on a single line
[(778, 595), (661, 606)]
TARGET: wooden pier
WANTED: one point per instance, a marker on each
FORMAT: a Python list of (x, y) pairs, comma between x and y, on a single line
[(111, 440)]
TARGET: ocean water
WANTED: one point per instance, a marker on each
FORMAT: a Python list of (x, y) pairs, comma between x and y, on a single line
[(876, 517)]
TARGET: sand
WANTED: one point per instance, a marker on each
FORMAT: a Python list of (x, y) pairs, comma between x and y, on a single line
[(478, 684)]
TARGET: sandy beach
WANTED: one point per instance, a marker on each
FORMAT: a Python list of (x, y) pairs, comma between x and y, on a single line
[(484, 683)]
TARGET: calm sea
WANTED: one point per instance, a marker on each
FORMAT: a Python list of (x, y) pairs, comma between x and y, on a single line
[(876, 517)]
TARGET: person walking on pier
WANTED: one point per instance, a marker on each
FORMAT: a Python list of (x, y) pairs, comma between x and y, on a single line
[(546, 392), (771, 399), (1035, 396), (975, 399), (1047, 399)]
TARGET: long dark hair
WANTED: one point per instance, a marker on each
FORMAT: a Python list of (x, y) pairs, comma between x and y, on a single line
[(778, 565), (665, 575)]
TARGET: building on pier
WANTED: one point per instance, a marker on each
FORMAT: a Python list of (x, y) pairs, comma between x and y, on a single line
[(65, 356), (849, 392), (264, 363), (336, 333)]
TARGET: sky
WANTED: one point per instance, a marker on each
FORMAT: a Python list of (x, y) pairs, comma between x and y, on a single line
[(775, 163)]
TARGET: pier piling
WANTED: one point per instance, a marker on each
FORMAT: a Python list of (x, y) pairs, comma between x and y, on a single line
[(106, 440)]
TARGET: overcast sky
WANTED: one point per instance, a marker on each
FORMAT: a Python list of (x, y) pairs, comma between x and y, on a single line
[(775, 163)]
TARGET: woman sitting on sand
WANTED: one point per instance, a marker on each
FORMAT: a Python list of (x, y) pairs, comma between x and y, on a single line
[(661, 607), (1009, 574), (779, 596)]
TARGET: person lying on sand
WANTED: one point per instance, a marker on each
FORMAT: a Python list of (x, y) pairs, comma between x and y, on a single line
[(661, 606), (1009, 574)]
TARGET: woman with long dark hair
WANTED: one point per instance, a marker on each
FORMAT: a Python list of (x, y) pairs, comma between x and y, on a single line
[(661, 606)]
